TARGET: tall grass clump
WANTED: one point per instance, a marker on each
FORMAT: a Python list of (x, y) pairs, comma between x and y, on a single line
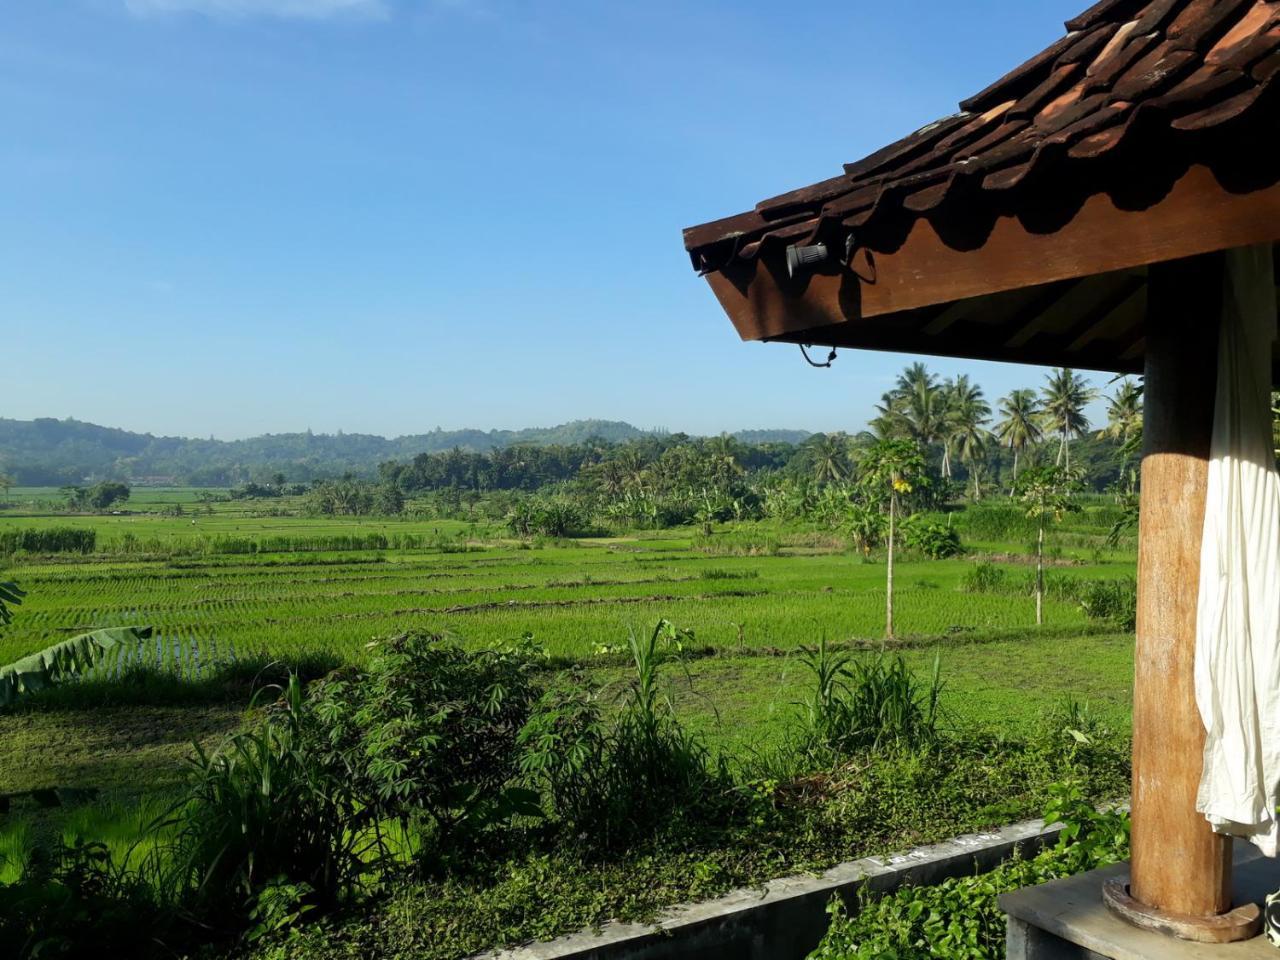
[(608, 779), (48, 540), (866, 703), (1113, 600), (263, 810)]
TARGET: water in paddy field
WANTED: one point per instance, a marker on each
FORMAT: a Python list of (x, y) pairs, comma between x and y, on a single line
[(185, 657)]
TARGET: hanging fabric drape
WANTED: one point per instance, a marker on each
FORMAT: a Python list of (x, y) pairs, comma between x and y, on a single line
[(1237, 675)]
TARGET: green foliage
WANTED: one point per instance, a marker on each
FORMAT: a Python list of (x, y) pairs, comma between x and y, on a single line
[(430, 731), (265, 808), (984, 578), (550, 517), (71, 901), (937, 541), (42, 540), (866, 525), (960, 919), (65, 660), (10, 595), (105, 495), (996, 521), (611, 780), (1047, 492), (865, 703), (892, 469), (1113, 600), (346, 497)]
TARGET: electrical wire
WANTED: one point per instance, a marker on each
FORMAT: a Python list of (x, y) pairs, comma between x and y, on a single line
[(809, 360)]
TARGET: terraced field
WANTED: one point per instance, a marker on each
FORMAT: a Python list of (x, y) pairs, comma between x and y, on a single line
[(573, 599)]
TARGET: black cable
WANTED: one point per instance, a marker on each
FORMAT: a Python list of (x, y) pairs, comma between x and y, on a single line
[(805, 353)]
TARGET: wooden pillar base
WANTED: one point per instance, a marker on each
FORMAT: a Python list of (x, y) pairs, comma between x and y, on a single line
[(1242, 923)]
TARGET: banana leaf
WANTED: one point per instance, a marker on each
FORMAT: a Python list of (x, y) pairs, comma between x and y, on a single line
[(65, 659), (9, 594)]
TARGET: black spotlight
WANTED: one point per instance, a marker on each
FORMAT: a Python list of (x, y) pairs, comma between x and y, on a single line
[(798, 256)]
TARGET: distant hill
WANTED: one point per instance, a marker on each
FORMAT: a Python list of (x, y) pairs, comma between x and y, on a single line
[(773, 436), (50, 452)]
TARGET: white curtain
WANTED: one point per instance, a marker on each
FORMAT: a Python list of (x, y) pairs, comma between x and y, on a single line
[(1237, 675)]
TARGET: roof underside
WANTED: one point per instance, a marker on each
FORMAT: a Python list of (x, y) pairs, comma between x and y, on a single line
[(1134, 96)]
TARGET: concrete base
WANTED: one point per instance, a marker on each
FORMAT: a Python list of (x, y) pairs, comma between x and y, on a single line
[(1066, 919)]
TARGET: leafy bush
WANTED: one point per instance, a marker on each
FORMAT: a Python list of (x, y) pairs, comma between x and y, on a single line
[(937, 541), (960, 919), (549, 518), (70, 901), (265, 808), (430, 730)]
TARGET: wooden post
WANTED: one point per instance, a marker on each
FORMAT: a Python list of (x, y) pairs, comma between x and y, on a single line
[(1179, 865)]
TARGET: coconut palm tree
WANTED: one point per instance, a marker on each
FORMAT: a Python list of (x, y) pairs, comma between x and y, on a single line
[(1124, 420), (921, 407), (888, 422), (1019, 425), (1065, 396), (831, 458), (914, 379), (968, 413)]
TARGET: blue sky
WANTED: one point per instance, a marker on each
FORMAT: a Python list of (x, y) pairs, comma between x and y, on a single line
[(229, 217)]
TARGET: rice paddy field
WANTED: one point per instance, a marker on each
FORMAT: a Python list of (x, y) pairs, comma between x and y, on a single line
[(221, 584)]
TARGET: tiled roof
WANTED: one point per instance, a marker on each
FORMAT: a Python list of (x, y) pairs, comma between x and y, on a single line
[(1130, 76)]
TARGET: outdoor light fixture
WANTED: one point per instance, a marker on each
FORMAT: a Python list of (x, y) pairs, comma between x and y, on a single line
[(798, 256)]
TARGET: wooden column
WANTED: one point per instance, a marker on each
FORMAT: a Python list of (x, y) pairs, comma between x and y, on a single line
[(1179, 865)]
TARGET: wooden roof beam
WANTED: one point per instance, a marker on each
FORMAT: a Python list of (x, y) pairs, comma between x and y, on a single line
[(1196, 216)]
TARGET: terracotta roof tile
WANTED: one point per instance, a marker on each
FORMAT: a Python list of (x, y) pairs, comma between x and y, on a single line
[(1132, 74)]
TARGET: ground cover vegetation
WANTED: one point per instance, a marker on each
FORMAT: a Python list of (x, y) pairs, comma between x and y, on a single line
[(460, 778), (451, 686), (960, 918)]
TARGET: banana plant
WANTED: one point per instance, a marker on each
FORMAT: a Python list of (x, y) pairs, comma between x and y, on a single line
[(10, 595), (64, 660)]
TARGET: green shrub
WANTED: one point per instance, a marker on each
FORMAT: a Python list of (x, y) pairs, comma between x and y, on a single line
[(551, 517), (265, 808), (1114, 600), (430, 730), (937, 541), (71, 901)]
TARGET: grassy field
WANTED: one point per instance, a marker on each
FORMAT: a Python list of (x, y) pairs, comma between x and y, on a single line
[(574, 598), (240, 591), (753, 596)]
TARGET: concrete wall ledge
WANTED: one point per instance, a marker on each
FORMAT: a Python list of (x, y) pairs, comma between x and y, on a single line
[(784, 919)]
